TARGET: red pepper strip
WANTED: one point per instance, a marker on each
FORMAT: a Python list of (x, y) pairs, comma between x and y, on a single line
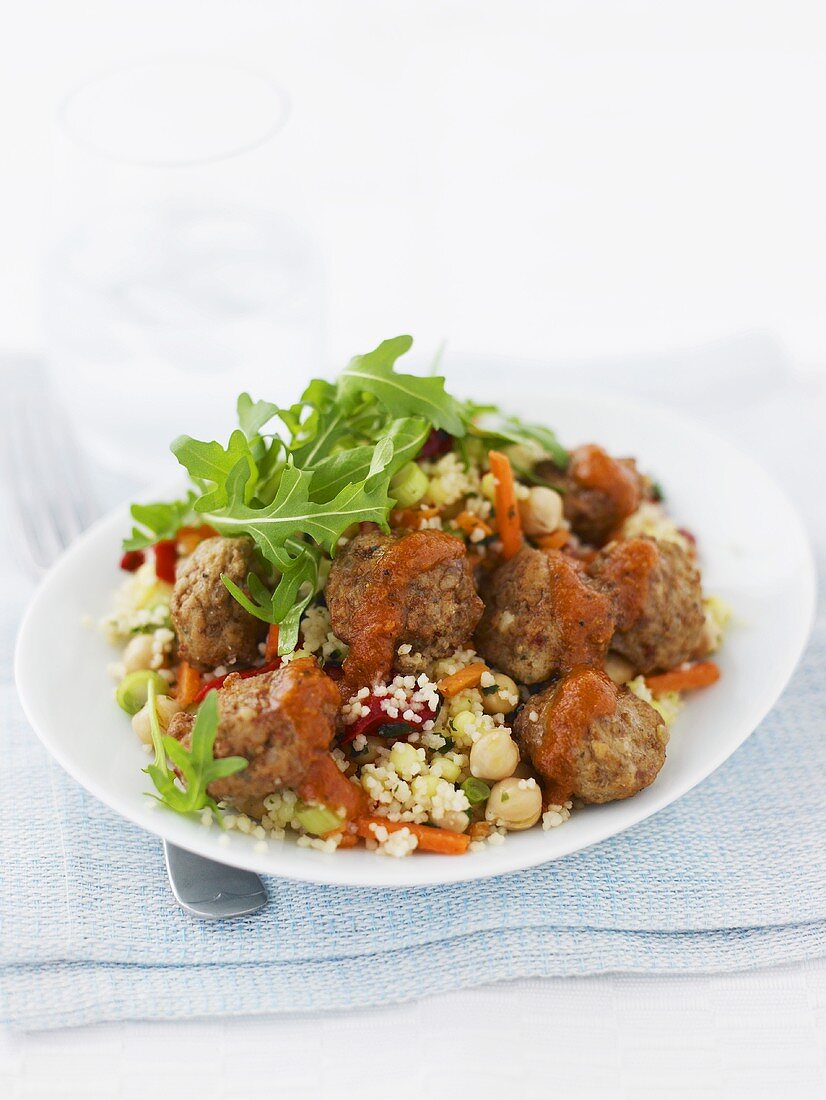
[(166, 557), (378, 717), (244, 674), (132, 560)]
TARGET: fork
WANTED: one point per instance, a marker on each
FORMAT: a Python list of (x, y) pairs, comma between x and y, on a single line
[(51, 492)]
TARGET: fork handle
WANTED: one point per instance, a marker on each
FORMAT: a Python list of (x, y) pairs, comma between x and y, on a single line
[(210, 890)]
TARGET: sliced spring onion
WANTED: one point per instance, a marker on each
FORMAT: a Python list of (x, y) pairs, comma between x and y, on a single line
[(133, 690), (316, 820), (409, 485), (475, 790)]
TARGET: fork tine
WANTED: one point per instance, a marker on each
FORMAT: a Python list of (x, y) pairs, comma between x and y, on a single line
[(46, 476), (32, 530)]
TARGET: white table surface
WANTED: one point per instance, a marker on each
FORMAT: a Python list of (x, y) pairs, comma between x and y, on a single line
[(616, 177)]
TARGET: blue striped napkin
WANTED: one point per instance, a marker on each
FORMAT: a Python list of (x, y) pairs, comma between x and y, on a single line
[(731, 876)]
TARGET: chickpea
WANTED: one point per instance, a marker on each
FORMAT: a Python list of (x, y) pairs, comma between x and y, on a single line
[(494, 756), (515, 804), (541, 511), (455, 820), (618, 669), (138, 653), (501, 695), (165, 707)]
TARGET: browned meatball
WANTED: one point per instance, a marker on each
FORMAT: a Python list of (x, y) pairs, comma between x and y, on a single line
[(283, 723), (384, 590), (658, 601), (591, 740), (213, 629), (542, 617), (598, 491)]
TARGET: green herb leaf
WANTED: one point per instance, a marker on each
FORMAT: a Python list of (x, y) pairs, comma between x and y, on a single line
[(475, 790), (160, 521), (285, 606), (511, 430), (213, 463), (336, 472), (292, 509), (401, 394), (197, 765), (253, 415)]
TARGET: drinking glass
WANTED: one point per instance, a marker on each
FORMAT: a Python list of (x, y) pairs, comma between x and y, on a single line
[(180, 273)]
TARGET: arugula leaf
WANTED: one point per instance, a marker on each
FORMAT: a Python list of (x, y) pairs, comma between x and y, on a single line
[(161, 521), (285, 606), (339, 470), (253, 415), (296, 489), (401, 394), (197, 765), (212, 463), (512, 430), (292, 509)]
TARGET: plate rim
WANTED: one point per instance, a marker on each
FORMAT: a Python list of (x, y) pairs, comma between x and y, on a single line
[(320, 871)]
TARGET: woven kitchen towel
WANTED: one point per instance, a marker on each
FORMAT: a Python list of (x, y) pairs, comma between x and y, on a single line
[(731, 876)]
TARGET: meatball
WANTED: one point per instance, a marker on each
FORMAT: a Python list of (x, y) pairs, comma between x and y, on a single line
[(542, 617), (598, 491), (658, 601), (212, 627), (283, 723), (592, 740), (416, 588)]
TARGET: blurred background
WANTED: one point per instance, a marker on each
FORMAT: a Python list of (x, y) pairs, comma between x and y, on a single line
[(243, 192)]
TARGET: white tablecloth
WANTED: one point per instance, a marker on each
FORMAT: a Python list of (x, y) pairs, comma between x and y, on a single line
[(755, 1035)]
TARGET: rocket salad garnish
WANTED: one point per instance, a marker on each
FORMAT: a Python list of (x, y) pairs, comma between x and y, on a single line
[(295, 491)]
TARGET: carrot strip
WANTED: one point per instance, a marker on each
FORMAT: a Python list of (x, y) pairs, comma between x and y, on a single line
[(443, 841), (271, 652), (189, 684), (469, 523), (555, 541), (508, 522), (468, 677), (700, 675), (348, 840)]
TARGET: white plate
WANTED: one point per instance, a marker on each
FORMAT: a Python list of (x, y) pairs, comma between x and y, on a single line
[(754, 553)]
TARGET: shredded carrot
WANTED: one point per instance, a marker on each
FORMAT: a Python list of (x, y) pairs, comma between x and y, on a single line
[(555, 541), (508, 522), (469, 523), (684, 679), (412, 517), (444, 841), (189, 684), (465, 678), (271, 652), (348, 840)]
